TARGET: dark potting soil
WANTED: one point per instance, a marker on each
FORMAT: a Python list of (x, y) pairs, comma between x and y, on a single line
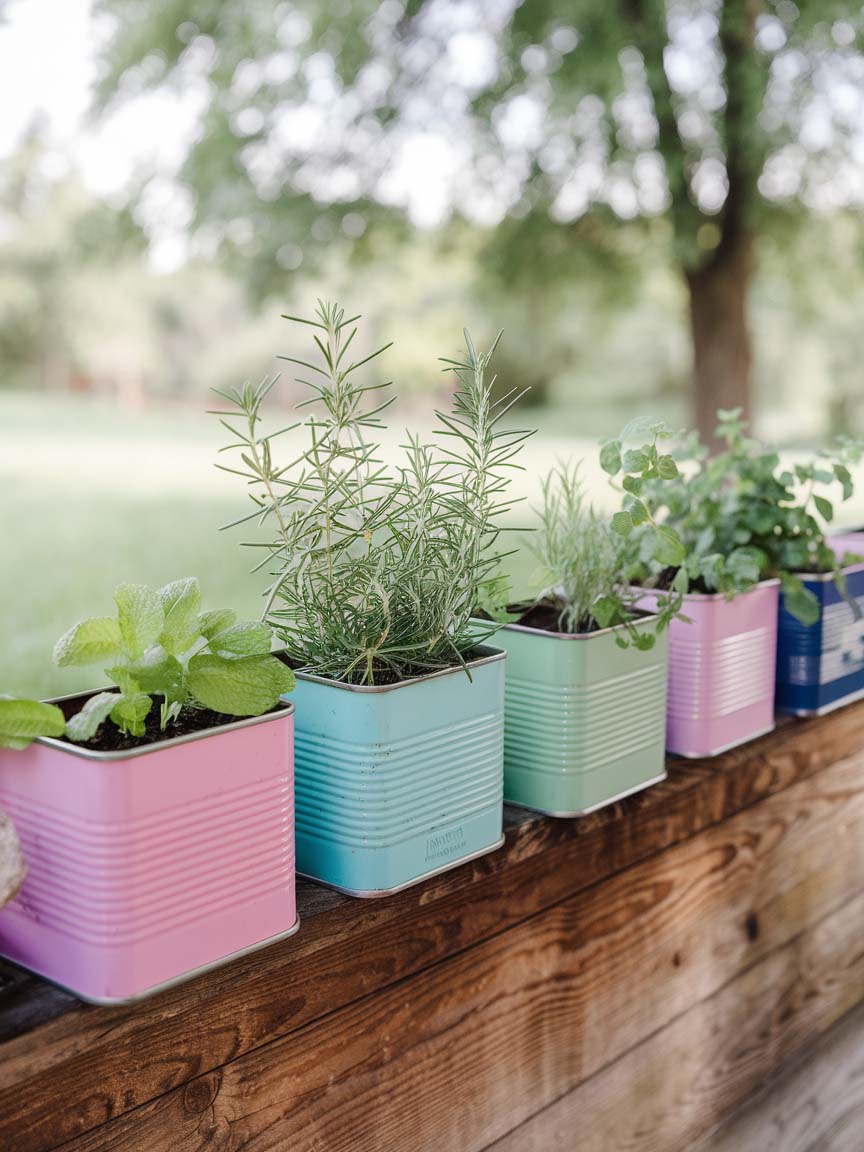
[(544, 615), (109, 738)]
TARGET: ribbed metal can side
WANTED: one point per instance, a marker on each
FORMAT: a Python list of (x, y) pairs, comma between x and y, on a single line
[(820, 666), (397, 784), (583, 719), (148, 867), (721, 669)]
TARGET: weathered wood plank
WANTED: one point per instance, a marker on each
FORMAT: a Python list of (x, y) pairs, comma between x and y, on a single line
[(473, 1046), (347, 949), (666, 1093), (814, 1105)]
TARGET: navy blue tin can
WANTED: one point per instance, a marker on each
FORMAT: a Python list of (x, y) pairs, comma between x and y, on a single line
[(821, 666)]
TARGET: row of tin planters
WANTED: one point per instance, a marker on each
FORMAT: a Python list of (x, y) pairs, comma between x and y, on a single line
[(148, 866)]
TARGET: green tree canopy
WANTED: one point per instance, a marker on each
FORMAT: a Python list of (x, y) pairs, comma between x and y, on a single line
[(565, 129)]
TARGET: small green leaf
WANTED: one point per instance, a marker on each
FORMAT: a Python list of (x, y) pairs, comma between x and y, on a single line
[(22, 721), (157, 672), (209, 623), (85, 724), (632, 484), (824, 508), (89, 642), (644, 641), (635, 460), (610, 457), (799, 601), (667, 469), (638, 511), (845, 477), (130, 712), (180, 601), (668, 547), (140, 616), (681, 583), (622, 523), (246, 686), (607, 610), (250, 638)]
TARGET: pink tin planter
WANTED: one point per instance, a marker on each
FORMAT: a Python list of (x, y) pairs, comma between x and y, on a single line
[(849, 540), (721, 670), (148, 866)]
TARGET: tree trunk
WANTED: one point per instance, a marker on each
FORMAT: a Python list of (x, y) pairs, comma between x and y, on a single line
[(722, 353)]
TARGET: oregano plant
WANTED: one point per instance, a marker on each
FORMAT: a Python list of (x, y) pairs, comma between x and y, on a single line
[(374, 572), (743, 517), (159, 650)]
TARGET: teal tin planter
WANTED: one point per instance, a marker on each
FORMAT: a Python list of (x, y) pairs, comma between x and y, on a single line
[(397, 783), (584, 720)]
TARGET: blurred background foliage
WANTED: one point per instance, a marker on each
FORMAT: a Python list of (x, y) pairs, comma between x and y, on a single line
[(659, 201)]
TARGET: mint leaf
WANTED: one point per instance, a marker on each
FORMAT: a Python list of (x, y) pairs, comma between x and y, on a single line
[(89, 642), (250, 638), (180, 601), (209, 623), (246, 686), (156, 672), (22, 721), (668, 548), (140, 616), (85, 725), (824, 507), (635, 460), (622, 523), (799, 601), (607, 611), (667, 469)]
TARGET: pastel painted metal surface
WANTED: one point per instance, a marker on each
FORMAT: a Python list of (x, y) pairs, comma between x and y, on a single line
[(583, 719), (398, 782), (820, 666), (848, 541), (149, 866), (721, 670)]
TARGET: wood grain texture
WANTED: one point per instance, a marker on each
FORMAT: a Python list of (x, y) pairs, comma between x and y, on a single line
[(358, 961), (665, 1094), (461, 1053), (816, 1105)]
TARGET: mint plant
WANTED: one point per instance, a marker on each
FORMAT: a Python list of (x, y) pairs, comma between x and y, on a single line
[(742, 517), (159, 648), (375, 572), (584, 555)]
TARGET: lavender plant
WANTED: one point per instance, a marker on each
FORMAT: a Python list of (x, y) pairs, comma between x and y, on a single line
[(374, 572)]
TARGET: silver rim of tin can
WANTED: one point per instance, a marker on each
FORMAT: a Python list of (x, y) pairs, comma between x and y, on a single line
[(283, 709)]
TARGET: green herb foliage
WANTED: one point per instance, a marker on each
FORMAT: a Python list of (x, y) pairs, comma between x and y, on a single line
[(375, 573), (742, 517), (158, 648), (585, 555)]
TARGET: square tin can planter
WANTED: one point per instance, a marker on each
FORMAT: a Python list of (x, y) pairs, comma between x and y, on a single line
[(584, 720), (820, 666), (398, 782), (149, 866), (721, 669)]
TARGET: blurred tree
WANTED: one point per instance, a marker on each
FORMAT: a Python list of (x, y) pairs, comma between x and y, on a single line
[(53, 232), (568, 128)]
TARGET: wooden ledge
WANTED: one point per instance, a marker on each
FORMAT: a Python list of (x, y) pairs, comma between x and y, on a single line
[(112, 1077)]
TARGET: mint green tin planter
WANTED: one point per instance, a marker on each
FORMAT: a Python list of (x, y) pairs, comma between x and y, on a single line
[(399, 782), (584, 720)]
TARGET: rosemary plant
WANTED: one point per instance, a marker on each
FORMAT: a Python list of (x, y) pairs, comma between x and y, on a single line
[(374, 571)]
